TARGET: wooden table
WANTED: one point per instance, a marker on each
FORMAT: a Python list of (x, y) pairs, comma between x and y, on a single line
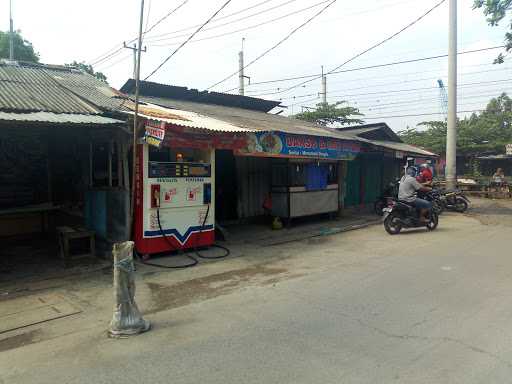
[(43, 209)]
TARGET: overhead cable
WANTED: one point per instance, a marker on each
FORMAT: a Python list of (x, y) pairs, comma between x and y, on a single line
[(187, 40), (372, 66), (107, 55), (275, 45), (372, 47)]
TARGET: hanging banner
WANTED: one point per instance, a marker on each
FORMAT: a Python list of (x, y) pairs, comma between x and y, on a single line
[(154, 133), (279, 144)]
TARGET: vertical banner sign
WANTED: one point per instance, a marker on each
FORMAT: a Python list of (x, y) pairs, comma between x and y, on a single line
[(155, 133)]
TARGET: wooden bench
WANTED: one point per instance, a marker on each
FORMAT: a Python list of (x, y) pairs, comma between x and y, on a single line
[(65, 235)]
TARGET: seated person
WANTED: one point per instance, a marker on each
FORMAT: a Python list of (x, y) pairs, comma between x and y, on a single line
[(407, 192), (425, 177)]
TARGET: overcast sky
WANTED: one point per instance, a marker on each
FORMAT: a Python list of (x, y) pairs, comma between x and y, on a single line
[(63, 31)]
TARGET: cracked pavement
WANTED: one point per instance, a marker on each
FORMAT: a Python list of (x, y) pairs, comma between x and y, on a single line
[(355, 307)]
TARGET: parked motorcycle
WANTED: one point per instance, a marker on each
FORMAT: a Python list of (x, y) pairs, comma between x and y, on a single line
[(401, 215), (385, 198), (455, 200), (436, 198)]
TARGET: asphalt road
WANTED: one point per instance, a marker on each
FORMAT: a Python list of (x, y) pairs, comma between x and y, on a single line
[(358, 307)]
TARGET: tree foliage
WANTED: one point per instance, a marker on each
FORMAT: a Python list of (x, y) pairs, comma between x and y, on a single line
[(486, 132), (87, 68), (496, 11), (331, 114), (23, 49)]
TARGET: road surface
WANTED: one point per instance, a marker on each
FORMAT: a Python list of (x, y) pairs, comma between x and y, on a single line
[(357, 307)]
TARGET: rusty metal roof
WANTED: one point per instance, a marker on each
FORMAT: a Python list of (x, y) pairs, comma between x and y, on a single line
[(187, 119), (247, 120), (28, 87)]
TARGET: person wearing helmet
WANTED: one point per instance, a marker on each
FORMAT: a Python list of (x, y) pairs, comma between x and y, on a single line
[(425, 176), (408, 190)]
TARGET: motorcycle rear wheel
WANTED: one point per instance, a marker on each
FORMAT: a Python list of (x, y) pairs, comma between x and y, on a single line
[(434, 221), (392, 225), (461, 205)]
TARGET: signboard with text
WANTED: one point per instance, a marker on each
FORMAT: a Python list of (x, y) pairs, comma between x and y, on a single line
[(279, 144)]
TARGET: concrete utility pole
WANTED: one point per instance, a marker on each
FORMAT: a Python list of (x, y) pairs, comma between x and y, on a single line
[(134, 49), (241, 75), (136, 114), (11, 33), (241, 86), (451, 134), (324, 87)]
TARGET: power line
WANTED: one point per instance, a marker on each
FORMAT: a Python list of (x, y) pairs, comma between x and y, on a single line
[(218, 19), (251, 26), (187, 40), (157, 38), (375, 66), (416, 115), (418, 101), (334, 92), (373, 46), (273, 91), (109, 54), (172, 11), (277, 44)]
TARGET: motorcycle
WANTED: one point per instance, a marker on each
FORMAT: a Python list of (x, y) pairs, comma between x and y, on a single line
[(436, 198), (401, 215), (385, 198), (455, 200)]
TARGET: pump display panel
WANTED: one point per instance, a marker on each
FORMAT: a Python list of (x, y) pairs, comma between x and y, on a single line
[(167, 169)]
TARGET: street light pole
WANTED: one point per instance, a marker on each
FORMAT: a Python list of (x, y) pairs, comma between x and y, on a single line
[(451, 133)]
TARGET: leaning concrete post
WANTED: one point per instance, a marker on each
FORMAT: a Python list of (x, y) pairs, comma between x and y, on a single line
[(127, 319)]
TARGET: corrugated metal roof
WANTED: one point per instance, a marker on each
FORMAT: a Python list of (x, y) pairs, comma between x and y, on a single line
[(187, 119), (151, 89), (26, 87), (402, 147), (252, 121), (57, 118)]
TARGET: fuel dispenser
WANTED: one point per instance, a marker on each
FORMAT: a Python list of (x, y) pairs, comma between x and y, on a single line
[(174, 208)]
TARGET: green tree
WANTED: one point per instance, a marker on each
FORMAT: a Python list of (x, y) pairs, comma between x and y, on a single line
[(23, 49), (485, 132), (87, 68), (430, 135), (331, 114), (496, 11)]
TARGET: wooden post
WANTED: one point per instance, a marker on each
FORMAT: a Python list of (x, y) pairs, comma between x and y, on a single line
[(110, 150), (91, 175)]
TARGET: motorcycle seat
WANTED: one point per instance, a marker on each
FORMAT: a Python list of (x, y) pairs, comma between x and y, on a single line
[(404, 204)]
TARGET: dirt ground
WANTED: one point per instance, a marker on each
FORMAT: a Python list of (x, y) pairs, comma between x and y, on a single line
[(491, 211)]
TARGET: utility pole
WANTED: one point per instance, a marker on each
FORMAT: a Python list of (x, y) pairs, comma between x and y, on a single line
[(136, 115), (451, 133), (241, 76), (11, 33), (134, 49), (324, 87)]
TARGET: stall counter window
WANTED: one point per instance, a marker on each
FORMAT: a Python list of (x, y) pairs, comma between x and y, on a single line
[(304, 188)]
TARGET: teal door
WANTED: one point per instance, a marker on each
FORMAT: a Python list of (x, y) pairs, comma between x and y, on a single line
[(353, 183)]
